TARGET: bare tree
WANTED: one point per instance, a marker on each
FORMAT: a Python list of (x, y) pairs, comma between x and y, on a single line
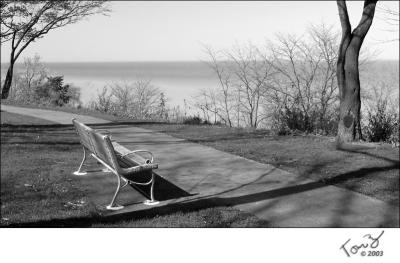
[(297, 63), (391, 18), (304, 89), (243, 74), (224, 96), (23, 22), (103, 101), (251, 71), (349, 128), (122, 97), (145, 99), (325, 39), (206, 102), (162, 110), (139, 99), (34, 71), (33, 74)]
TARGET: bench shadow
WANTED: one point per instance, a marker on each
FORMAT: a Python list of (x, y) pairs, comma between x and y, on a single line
[(163, 189)]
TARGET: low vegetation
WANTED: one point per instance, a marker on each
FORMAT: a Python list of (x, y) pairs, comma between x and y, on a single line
[(35, 86)]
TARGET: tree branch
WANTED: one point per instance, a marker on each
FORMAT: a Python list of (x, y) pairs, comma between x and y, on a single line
[(361, 30)]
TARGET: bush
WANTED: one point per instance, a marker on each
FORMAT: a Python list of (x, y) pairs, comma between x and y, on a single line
[(33, 85), (55, 93), (382, 125), (288, 121), (103, 102), (192, 120), (135, 100), (394, 137), (293, 120)]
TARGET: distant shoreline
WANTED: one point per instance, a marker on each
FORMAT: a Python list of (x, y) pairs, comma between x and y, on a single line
[(179, 80), (149, 62)]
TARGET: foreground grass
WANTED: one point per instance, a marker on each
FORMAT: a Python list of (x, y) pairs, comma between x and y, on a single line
[(35, 175), (370, 169), (37, 188), (209, 217)]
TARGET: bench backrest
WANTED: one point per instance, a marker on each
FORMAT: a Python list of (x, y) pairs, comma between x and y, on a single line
[(98, 144), (84, 134)]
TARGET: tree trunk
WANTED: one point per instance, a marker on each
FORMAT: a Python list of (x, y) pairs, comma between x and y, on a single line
[(7, 83), (349, 127)]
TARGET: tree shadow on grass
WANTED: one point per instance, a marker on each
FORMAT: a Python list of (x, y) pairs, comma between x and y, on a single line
[(363, 150), (351, 181)]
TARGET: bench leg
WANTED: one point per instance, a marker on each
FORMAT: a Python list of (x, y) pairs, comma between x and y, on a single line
[(152, 201), (79, 172), (113, 206), (126, 182)]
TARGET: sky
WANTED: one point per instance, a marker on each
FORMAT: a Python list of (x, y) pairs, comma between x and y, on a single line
[(176, 31)]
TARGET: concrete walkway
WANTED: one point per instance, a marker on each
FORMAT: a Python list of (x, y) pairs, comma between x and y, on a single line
[(281, 198), (54, 116)]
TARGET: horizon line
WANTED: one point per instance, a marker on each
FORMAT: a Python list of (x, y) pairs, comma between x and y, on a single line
[(154, 61)]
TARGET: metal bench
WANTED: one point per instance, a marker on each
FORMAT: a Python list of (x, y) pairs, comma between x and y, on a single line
[(129, 167)]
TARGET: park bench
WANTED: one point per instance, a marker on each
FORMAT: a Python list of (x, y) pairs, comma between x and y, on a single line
[(128, 166)]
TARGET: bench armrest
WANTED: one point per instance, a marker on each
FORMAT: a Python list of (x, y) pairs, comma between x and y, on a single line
[(104, 132), (139, 168), (137, 151)]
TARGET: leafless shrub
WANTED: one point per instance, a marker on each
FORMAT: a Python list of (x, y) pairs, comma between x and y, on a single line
[(34, 85), (137, 100), (33, 74), (305, 88), (291, 83), (243, 74)]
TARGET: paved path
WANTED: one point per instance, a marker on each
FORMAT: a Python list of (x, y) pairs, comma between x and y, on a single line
[(281, 198), (55, 116)]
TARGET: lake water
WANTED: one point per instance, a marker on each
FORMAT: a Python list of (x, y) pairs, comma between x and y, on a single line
[(178, 80)]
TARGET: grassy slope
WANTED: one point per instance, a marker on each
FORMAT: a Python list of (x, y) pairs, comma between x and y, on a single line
[(37, 188), (370, 169)]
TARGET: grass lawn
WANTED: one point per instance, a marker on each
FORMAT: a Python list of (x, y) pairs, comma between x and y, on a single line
[(370, 169), (37, 188)]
